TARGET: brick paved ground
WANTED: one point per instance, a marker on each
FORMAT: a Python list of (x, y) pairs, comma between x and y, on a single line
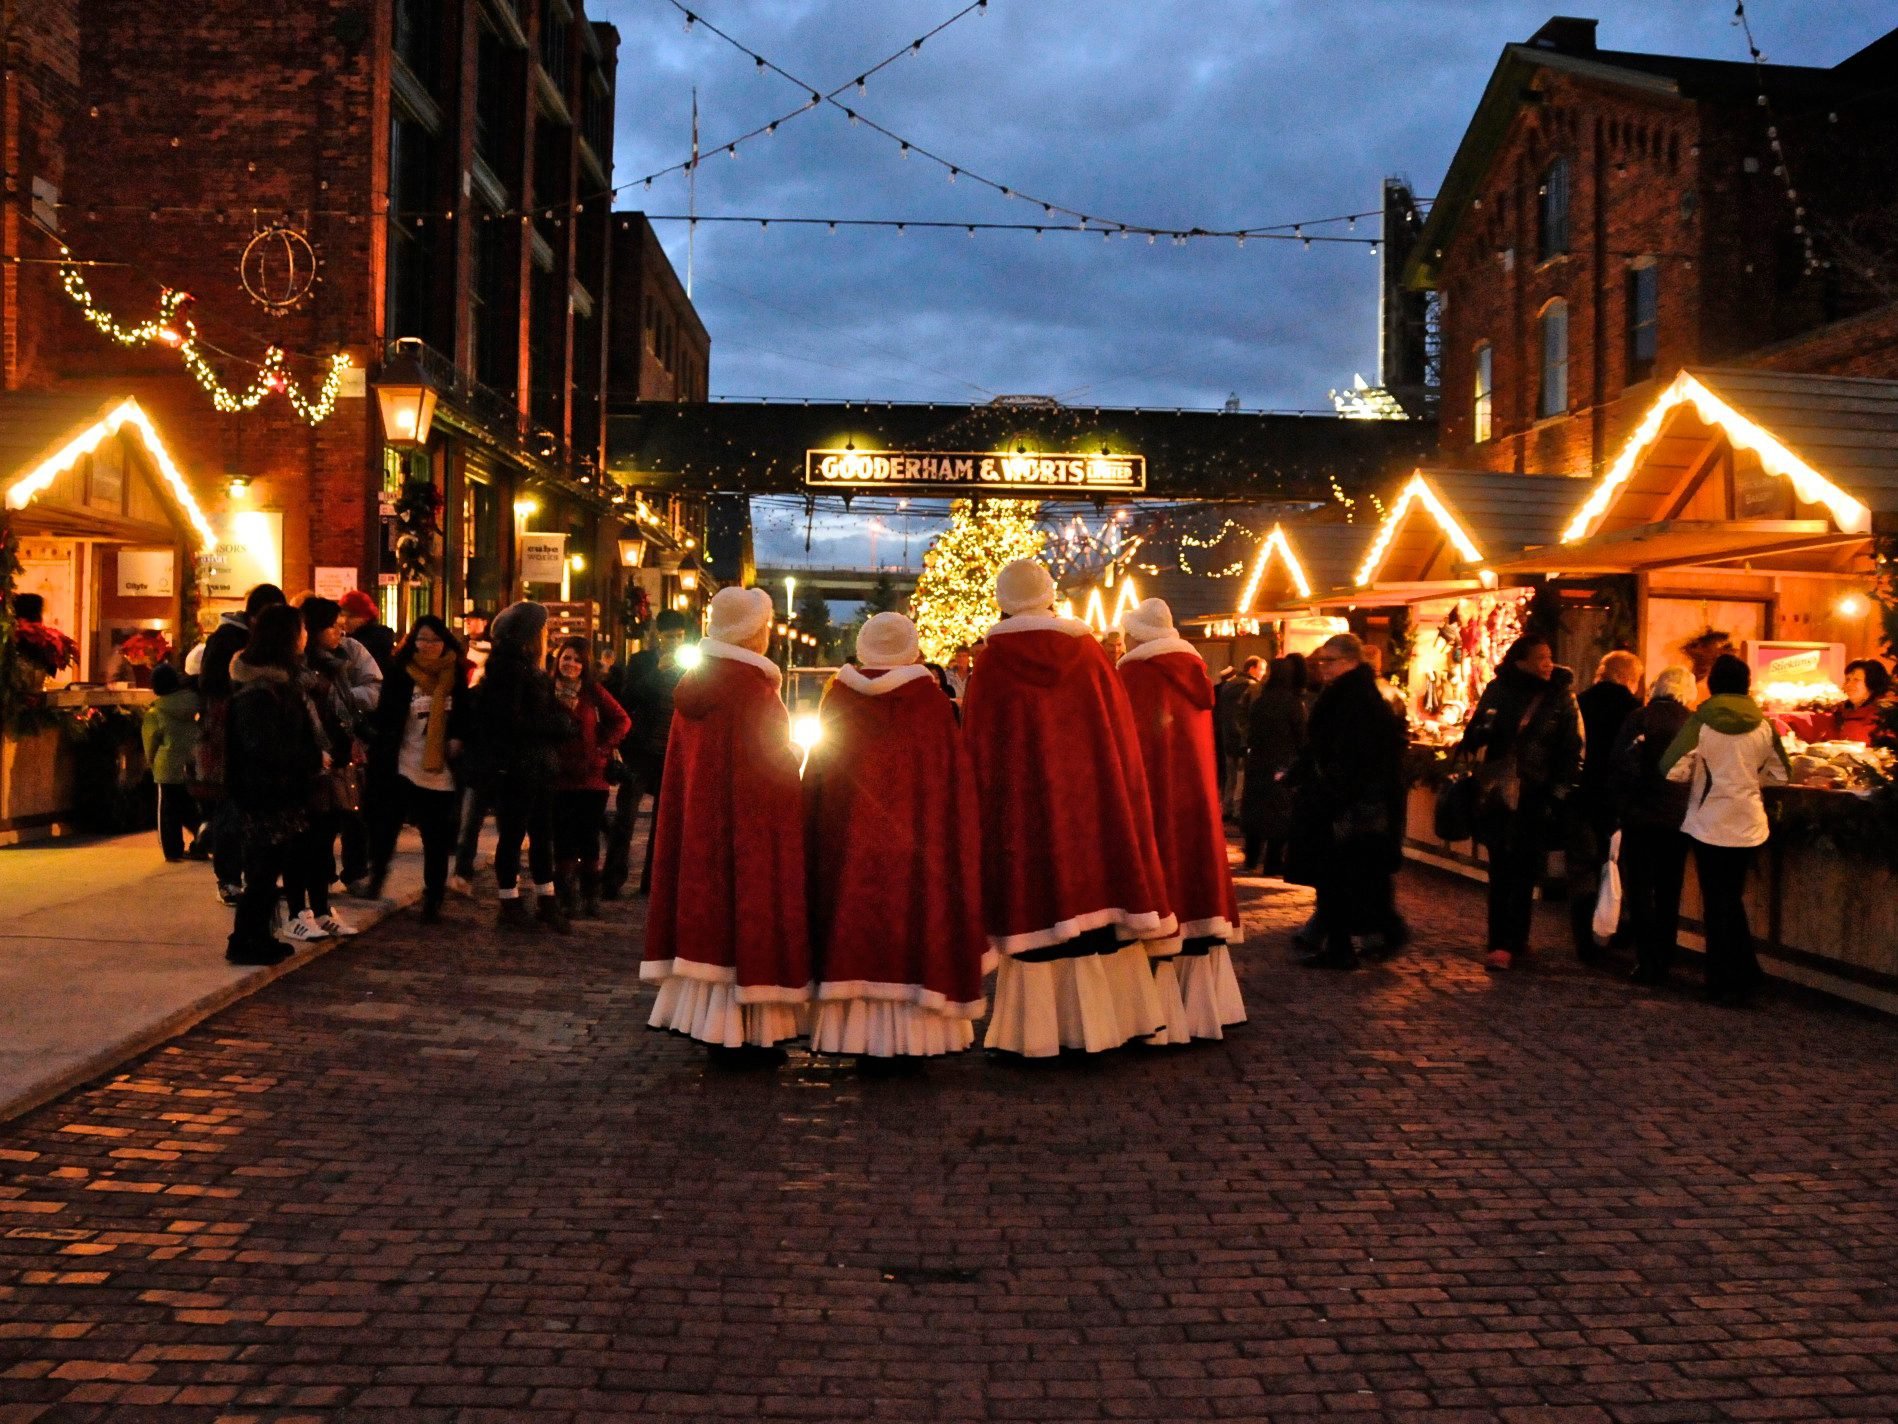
[(454, 1178)]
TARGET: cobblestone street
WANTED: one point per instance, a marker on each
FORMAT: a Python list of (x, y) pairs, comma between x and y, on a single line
[(454, 1177)]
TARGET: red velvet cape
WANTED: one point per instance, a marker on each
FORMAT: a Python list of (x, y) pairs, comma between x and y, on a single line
[(728, 865), (1172, 701), (894, 848), (1067, 831)]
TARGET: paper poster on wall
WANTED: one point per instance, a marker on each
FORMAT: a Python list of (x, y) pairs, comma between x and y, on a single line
[(146, 573), (543, 557), (248, 551), (333, 580)]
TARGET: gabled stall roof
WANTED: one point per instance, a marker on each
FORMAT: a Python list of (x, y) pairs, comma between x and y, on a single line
[(1460, 519), (1834, 438), (1312, 555)]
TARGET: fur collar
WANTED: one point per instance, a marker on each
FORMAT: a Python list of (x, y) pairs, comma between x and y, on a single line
[(856, 681), (732, 653), (1157, 647), (1040, 623), (244, 673)]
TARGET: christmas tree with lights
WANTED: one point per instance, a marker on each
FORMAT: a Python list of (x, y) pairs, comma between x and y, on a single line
[(954, 603)]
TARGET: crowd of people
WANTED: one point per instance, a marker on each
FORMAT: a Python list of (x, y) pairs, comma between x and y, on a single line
[(1065, 834), (297, 740)]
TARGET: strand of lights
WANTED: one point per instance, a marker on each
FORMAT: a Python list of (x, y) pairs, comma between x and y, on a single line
[(174, 329), (955, 171), (1809, 486), (1187, 541), (764, 224), (1278, 543), (1782, 169), (1418, 491), (126, 412), (1350, 504)]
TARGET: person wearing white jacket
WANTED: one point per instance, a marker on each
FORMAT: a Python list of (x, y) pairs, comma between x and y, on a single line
[(1726, 751)]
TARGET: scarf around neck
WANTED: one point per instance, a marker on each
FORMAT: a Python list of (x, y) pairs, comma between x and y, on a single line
[(436, 677)]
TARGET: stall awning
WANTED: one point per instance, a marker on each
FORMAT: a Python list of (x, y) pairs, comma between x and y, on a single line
[(1392, 595), (1673, 543)]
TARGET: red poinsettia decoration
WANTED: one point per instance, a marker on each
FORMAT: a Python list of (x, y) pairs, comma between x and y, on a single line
[(148, 647), (45, 645)]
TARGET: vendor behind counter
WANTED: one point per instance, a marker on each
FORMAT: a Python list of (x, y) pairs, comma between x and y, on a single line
[(1863, 715)]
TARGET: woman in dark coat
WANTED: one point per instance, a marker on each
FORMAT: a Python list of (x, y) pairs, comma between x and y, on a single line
[(1527, 731), (1653, 845), (416, 735), (1275, 735), (272, 762)]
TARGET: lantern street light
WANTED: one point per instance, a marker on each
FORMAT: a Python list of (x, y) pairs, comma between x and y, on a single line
[(632, 553), (406, 398), (689, 573)]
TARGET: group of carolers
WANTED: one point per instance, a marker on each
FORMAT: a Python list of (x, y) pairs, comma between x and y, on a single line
[(1067, 835)]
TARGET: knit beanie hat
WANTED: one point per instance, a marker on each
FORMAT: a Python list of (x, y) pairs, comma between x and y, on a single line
[(165, 680), (1147, 620), (1024, 586), (887, 640), (518, 626), (738, 614)]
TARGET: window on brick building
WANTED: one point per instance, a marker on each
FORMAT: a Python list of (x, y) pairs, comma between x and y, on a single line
[(1552, 224), (556, 28), (498, 101), (1552, 390), (1644, 302), (596, 113), (1482, 397), (409, 302), (494, 313), (417, 39), (546, 345)]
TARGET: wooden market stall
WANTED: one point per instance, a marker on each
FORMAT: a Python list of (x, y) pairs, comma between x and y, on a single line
[(1294, 561), (101, 524), (1749, 509)]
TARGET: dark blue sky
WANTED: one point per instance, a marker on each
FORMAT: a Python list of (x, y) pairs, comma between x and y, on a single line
[(1210, 113)]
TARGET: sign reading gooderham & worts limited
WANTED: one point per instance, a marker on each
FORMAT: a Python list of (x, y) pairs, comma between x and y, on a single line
[(958, 472)]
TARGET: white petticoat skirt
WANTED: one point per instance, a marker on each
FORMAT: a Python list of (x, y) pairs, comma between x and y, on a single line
[(1095, 1003), (1209, 992), (1166, 985), (887, 1028), (711, 1013)]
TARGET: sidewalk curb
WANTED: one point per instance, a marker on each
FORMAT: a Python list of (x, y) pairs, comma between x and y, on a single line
[(115, 1055)]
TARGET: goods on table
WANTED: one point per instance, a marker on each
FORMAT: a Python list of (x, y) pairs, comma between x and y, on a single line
[(1842, 766)]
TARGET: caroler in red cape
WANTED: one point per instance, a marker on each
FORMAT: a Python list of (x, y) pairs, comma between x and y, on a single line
[(726, 934), (1172, 700), (1071, 882), (895, 859)]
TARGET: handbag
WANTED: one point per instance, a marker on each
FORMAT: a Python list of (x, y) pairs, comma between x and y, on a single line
[(341, 789), (1455, 816), (1608, 898)]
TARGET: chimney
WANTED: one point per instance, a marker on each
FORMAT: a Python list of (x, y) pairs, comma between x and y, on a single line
[(1566, 35)]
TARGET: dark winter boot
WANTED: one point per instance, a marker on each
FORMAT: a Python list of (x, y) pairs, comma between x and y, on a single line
[(551, 915), (513, 915), (567, 886), (432, 906), (589, 894)]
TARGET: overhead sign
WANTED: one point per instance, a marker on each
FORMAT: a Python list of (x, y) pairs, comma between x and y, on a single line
[(952, 472), (543, 557), (146, 573), (248, 551)]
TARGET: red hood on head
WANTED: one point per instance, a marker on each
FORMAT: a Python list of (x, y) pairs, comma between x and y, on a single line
[(1041, 658)]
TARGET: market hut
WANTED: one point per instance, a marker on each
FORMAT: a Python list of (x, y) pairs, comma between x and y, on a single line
[(1294, 561), (1754, 510), (100, 522)]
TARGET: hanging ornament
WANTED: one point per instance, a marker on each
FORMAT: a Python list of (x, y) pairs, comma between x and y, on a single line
[(280, 268)]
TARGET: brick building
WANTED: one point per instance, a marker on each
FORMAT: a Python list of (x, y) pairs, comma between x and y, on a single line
[(1611, 217), (450, 163)]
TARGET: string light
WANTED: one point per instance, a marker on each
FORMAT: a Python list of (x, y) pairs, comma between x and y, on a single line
[(1276, 542), (1781, 169), (174, 329), (1418, 491)]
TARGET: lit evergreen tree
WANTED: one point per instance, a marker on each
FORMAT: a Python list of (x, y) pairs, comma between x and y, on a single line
[(954, 603)]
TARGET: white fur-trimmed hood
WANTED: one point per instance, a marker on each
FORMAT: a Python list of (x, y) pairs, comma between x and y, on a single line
[(732, 653), (1158, 647), (854, 679), (1041, 623)]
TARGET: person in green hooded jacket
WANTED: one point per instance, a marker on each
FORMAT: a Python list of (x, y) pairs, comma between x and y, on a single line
[(171, 742), (1725, 752)]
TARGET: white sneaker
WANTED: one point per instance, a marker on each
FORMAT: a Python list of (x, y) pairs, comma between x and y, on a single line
[(302, 929), (335, 924), (461, 885)]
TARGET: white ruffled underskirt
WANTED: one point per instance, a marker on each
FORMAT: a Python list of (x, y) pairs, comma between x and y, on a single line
[(1209, 993), (886, 1028), (1095, 1003), (711, 1013), (1166, 984)]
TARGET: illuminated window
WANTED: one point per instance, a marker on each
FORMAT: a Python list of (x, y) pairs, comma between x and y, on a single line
[(1644, 300), (1483, 396), (1552, 233), (1552, 391)]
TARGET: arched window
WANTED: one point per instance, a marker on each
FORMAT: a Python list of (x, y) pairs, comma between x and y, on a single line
[(1552, 212), (1482, 397), (1552, 391)]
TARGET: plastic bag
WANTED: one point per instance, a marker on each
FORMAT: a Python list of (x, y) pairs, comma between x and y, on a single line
[(1608, 898)]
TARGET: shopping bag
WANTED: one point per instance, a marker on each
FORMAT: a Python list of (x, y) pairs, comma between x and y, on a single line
[(1455, 817), (1608, 898)]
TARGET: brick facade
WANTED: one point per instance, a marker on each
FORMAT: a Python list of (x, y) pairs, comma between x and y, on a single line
[(664, 353), (1669, 164)]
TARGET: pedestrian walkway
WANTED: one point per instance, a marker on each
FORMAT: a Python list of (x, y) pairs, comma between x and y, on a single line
[(443, 1174), (105, 950)]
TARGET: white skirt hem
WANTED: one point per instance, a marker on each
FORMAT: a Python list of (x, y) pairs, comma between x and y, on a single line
[(882, 1028), (1093, 1003), (712, 1013)]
